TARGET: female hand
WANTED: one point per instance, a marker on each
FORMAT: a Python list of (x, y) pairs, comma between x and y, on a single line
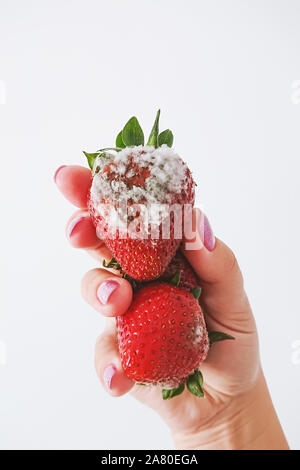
[(237, 411)]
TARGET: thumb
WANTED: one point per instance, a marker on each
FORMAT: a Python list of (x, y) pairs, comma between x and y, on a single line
[(224, 298)]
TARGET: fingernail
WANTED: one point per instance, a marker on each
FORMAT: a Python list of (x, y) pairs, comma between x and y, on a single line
[(206, 233), (57, 171), (108, 374), (105, 290), (73, 224)]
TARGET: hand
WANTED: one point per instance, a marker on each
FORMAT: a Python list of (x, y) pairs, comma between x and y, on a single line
[(237, 411)]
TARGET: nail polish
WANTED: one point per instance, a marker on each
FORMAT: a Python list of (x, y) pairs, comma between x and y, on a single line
[(108, 374), (209, 238), (205, 232), (73, 224), (105, 290), (57, 171)]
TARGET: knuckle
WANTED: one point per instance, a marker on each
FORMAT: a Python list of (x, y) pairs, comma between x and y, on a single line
[(231, 263), (88, 282), (231, 266), (99, 341)]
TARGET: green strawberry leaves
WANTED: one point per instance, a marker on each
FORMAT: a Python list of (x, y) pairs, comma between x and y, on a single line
[(156, 139), (119, 141), (194, 383), (153, 138), (91, 157), (116, 149), (132, 133), (175, 281), (196, 292), (215, 336), (165, 137), (112, 264), (172, 392)]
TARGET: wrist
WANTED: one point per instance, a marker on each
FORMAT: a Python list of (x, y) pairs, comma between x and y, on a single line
[(249, 421)]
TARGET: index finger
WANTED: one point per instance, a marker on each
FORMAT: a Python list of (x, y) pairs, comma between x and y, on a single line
[(74, 182)]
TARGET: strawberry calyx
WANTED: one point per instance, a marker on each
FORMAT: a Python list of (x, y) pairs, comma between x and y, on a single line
[(215, 336), (91, 158), (132, 135), (196, 292), (113, 264), (194, 384), (175, 280), (168, 393)]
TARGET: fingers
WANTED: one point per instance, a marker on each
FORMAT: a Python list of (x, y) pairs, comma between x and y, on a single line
[(109, 294), (108, 364), (211, 259), (216, 266), (81, 232), (74, 183)]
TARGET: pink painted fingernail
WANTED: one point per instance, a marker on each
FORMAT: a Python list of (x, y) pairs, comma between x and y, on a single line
[(206, 233), (105, 290), (108, 374), (209, 238), (72, 225), (57, 171)]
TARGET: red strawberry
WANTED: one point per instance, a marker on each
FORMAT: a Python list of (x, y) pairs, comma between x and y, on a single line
[(162, 338), (137, 185), (188, 277)]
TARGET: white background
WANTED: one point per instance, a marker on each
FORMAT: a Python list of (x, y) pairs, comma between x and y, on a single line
[(222, 73)]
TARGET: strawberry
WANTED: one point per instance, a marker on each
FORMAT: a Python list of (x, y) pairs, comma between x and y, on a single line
[(163, 333), (162, 337), (188, 277), (133, 193)]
